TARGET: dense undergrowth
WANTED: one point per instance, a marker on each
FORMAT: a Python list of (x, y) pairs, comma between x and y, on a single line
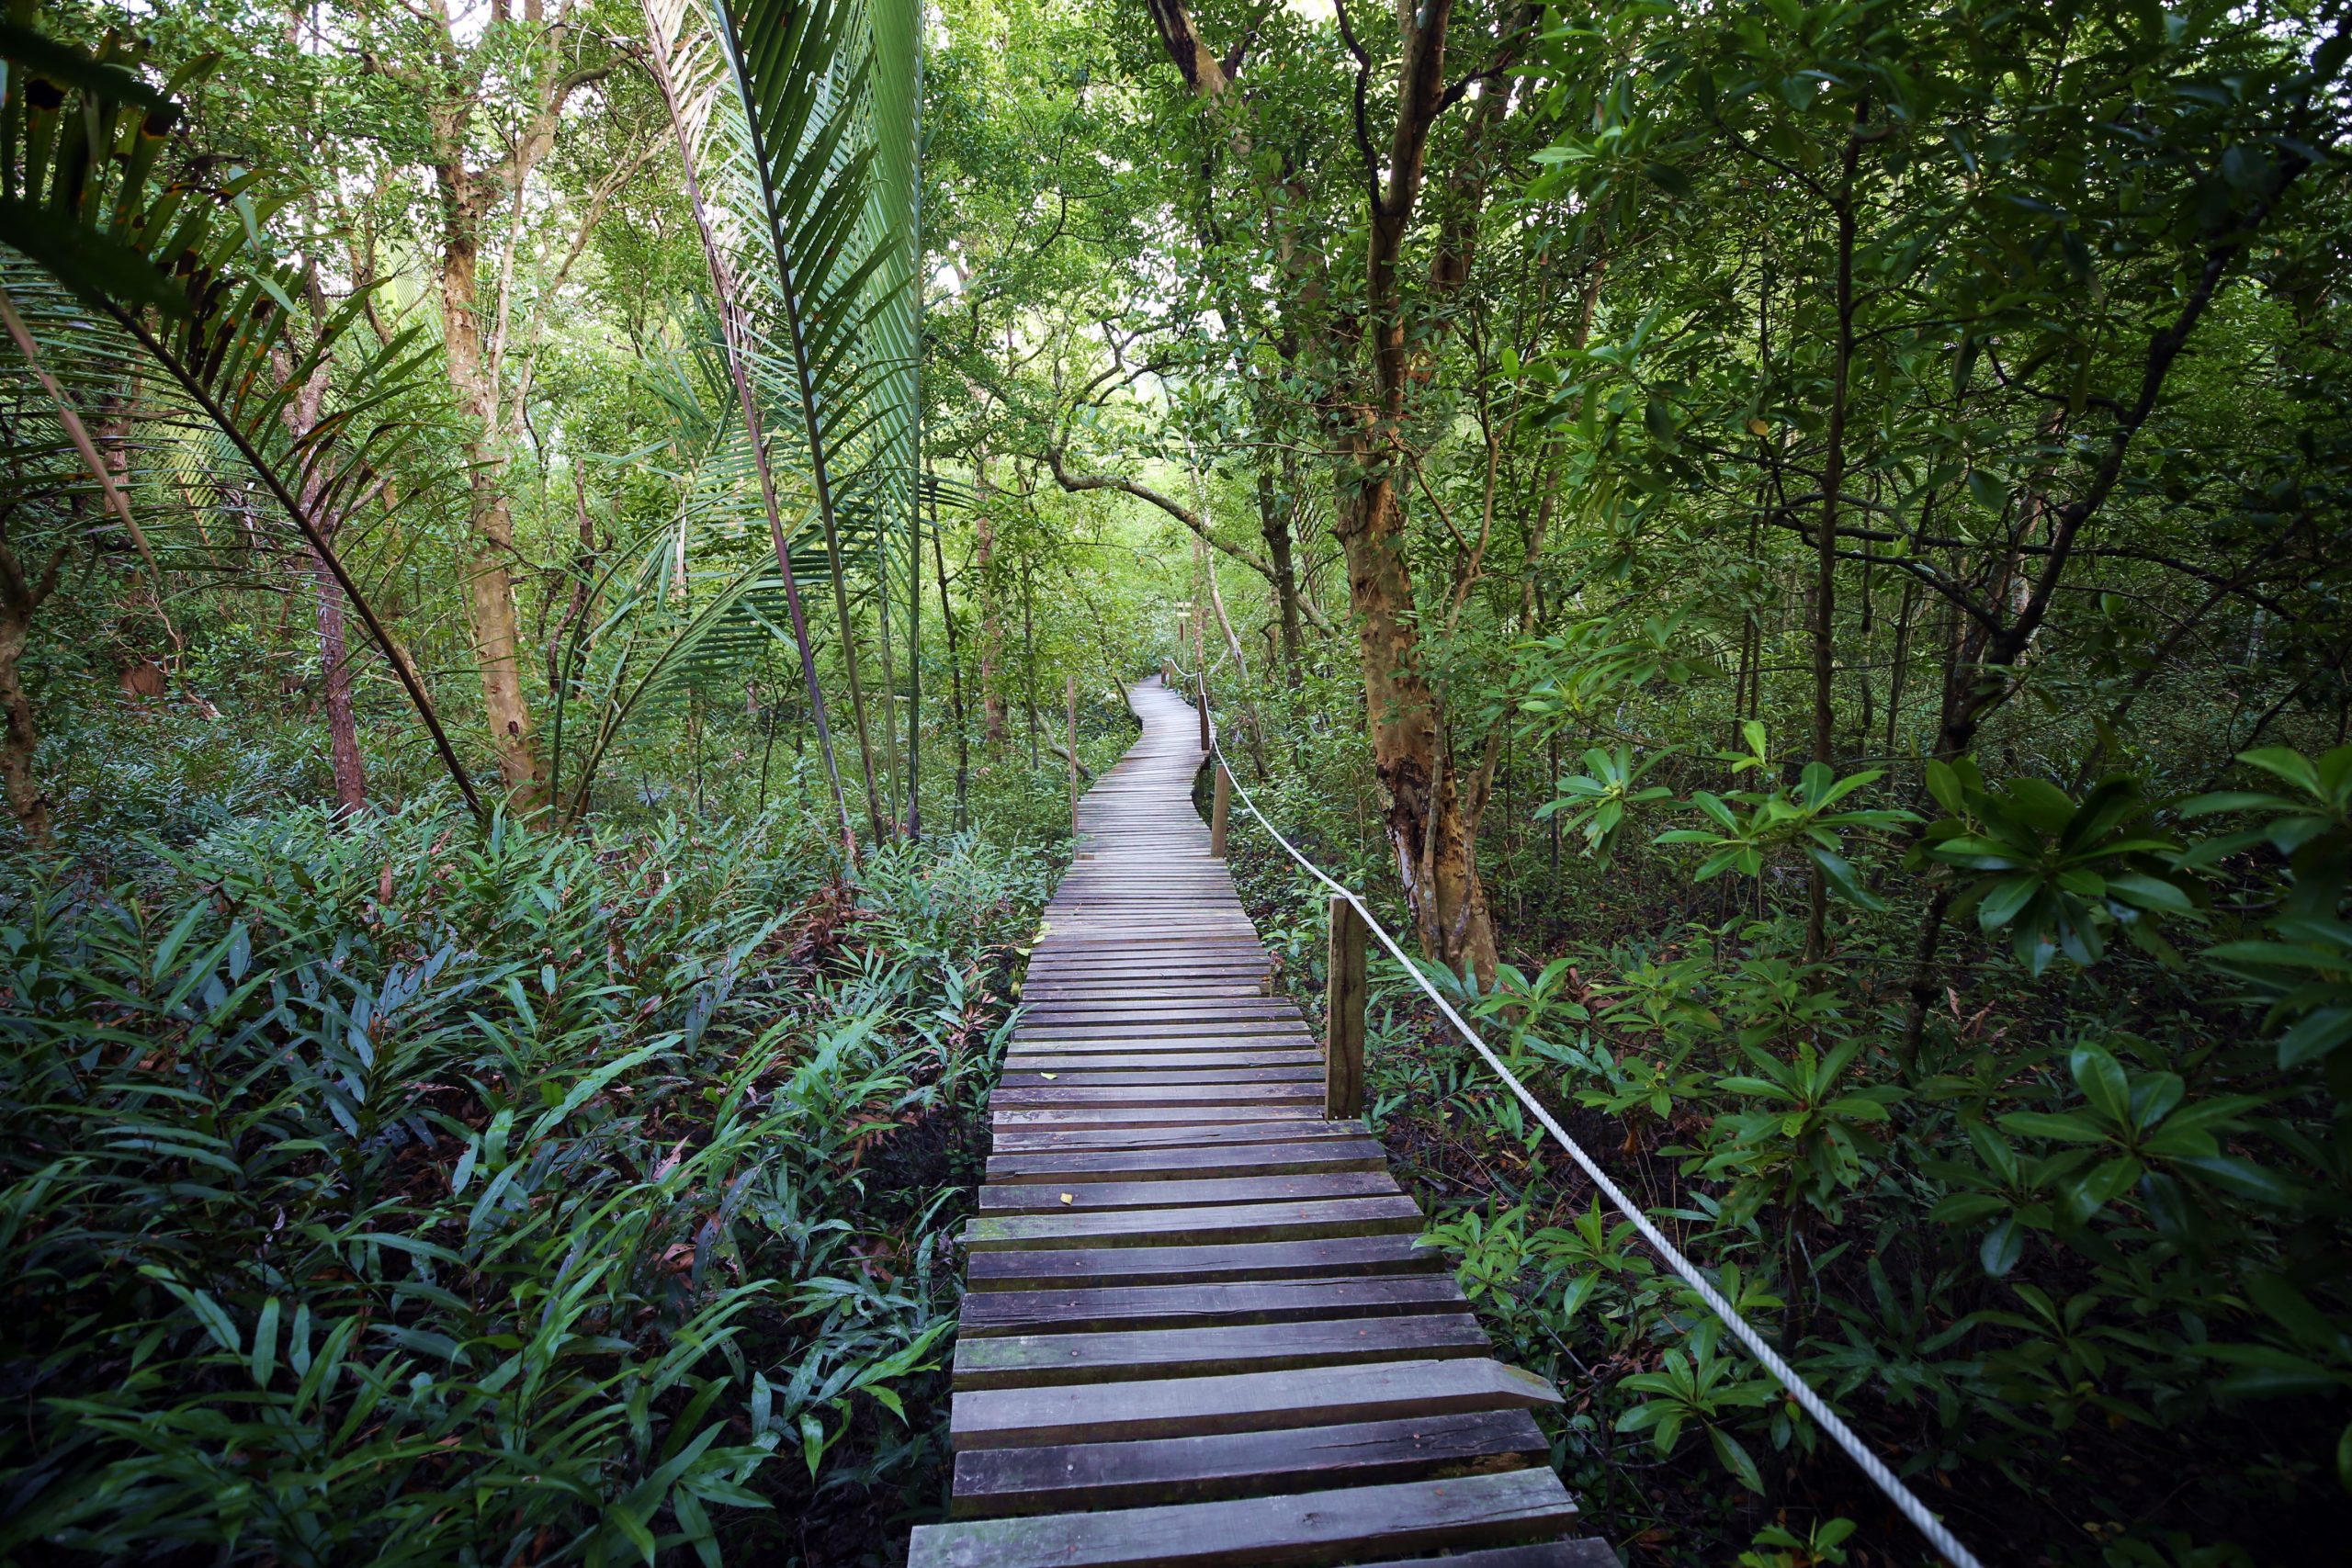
[(392, 1191), (2089, 1239)]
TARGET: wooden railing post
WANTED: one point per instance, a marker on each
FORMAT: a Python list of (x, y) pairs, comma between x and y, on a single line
[(1201, 697), (1220, 807), (1343, 998), (1073, 754)]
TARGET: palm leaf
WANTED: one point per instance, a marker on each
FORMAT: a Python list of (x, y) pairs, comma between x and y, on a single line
[(203, 305), (826, 266), (683, 57)]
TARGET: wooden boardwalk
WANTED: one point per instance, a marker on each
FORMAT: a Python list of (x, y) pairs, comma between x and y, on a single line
[(1198, 1330)]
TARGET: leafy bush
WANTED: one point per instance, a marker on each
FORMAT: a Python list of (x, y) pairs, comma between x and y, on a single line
[(2063, 1241), (400, 1191)]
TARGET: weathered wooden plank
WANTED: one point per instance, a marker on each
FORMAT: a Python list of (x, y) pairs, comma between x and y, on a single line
[(1239, 1402), (1034, 1268), (1146, 1079), (1126, 1096), (1039, 1360), (1162, 1165), (1300, 1528), (1583, 1552), (1208, 1193), (1074, 1310), (1151, 1115), (992, 1482), (1054, 1140), (1141, 1046), (1033, 1059), (1176, 1227)]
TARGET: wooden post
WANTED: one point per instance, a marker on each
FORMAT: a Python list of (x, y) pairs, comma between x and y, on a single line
[(1343, 999), (1222, 806), (1201, 700), (1073, 755)]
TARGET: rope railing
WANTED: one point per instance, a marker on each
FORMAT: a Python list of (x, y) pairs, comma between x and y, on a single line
[(1938, 1535)]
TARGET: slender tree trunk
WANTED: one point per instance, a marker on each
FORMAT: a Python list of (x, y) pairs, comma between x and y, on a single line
[(1833, 476), (1901, 666), (955, 667), (20, 597), (993, 703), (489, 524), (889, 677), (1274, 526), (1029, 660), (301, 415), (342, 726)]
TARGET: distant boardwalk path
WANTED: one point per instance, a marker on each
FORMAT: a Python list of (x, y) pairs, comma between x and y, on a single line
[(1199, 1331)]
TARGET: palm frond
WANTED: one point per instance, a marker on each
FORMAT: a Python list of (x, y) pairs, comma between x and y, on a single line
[(170, 266), (827, 249)]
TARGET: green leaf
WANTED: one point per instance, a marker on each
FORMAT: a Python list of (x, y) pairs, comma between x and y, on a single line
[(1734, 1459), (2044, 1124), (262, 1361), (2103, 1082), (2002, 1246)]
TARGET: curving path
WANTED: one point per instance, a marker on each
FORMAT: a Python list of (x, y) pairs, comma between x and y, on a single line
[(1198, 1330)]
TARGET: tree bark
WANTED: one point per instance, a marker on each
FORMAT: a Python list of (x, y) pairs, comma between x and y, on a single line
[(1824, 580), (490, 523), (992, 704), (453, 87), (20, 598), (1274, 526), (300, 416)]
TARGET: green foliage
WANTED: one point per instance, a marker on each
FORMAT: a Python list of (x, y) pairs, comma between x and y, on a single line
[(1750, 825), (2305, 973), (1595, 802), (2055, 872), (381, 1190)]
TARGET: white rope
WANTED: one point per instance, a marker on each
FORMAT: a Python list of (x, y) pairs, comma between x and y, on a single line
[(1938, 1535)]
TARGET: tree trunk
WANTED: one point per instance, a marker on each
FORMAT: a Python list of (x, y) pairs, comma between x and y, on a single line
[(1273, 524), (20, 598), (1825, 582), (1434, 839), (993, 703), (489, 524), (300, 416), (955, 666)]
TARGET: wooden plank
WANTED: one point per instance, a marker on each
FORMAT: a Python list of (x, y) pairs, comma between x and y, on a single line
[(1142, 1045), (1151, 1115), (1054, 1140), (1039, 1361), (992, 1482), (1210, 1192), (1239, 1402), (1125, 1091), (1031, 1268), (1177, 1227), (1299, 1528), (1584, 1553), (1164, 1078), (1161, 1165), (1033, 1059), (1179, 1306)]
